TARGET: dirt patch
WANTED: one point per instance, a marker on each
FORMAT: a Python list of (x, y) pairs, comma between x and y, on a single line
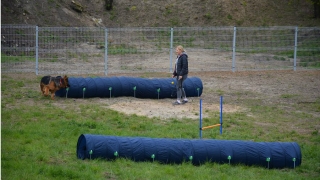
[(163, 109)]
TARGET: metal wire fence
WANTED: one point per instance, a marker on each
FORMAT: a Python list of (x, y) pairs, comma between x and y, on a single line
[(18, 48), (70, 50), (96, 50)]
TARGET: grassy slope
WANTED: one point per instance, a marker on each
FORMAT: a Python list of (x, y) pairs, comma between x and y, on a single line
[(39, 137), (150, 13)]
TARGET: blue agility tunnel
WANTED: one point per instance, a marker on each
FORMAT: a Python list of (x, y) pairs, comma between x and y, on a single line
[(265, 154), (129, 86)]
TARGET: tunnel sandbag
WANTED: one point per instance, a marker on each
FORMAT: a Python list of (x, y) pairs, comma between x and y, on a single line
[(165, 150), (129, 86)]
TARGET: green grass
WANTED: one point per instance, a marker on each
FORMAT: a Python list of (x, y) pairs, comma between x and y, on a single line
[(17, 58), (288, 96), (121, 49), (39, 137)]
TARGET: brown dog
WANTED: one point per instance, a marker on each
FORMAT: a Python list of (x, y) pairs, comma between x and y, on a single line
[(53, 84)]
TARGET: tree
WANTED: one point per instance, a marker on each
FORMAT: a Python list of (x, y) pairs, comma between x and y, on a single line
[(315, 3), (316, 6), (109, 4)]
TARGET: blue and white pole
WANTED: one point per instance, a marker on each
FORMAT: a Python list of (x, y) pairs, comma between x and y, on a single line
[(200, 120), (221, 107)]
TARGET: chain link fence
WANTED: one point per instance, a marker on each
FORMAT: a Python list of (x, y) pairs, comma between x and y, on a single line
[(96, 50), (18, 48), (70, 50)]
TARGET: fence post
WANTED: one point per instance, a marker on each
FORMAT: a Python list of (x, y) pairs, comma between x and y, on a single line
[(37, 51), (171, 48), (295, 49), (106, 52), (234, 49)]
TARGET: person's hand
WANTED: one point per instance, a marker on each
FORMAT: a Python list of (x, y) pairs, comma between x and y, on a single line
[(180, 77), (173, 76)]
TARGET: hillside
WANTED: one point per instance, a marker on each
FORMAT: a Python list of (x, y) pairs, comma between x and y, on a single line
[(159, 13)]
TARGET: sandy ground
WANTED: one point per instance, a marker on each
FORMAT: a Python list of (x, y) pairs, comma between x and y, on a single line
[(269, 86), (164, 110)]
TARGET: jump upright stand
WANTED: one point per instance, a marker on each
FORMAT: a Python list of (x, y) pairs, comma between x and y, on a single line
[(212, 126)]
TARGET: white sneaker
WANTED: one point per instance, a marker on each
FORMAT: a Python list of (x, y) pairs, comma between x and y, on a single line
[(176, 102)]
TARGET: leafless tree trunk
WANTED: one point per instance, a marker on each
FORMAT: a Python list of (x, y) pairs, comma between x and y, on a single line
[(109, 4), (316, 6)]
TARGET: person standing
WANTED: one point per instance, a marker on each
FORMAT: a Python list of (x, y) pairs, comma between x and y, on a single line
[(181, 72)]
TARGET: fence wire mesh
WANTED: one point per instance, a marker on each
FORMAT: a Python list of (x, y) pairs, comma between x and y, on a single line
[(96, 50), (208, 48), (18, 48), (308, 51), (71, 50), (138, 50), (265, 48)]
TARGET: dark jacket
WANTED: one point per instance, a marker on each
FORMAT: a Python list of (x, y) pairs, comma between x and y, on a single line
[(181, 67)]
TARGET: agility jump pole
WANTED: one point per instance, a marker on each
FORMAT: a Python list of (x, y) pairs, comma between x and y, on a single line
[(212, 126)]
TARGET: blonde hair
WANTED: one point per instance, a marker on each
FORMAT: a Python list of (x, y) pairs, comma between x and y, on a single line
[(181, 48)]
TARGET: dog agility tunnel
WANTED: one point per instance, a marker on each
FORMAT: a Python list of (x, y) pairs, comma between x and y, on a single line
[(165, 150), (129, 86)]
